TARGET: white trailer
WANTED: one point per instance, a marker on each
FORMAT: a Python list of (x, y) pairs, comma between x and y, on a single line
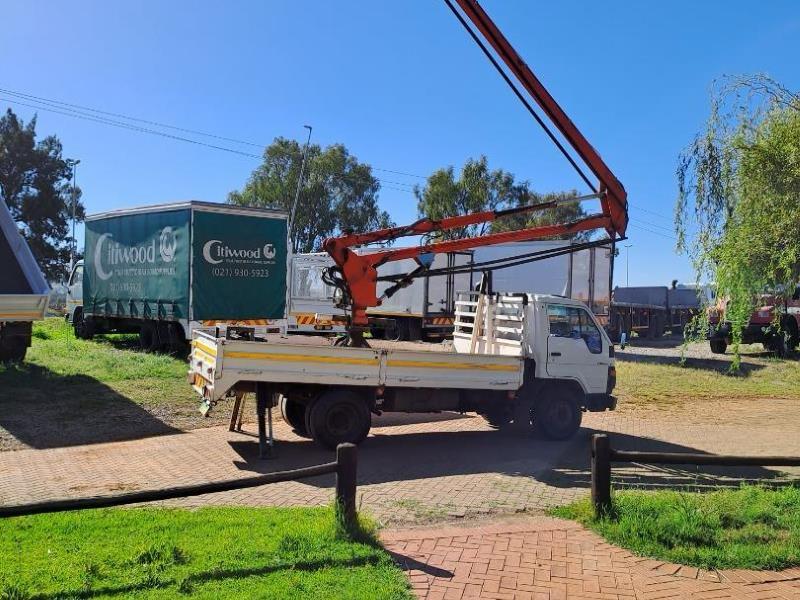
[(423, 309), (583, 275), (523, 360), (23, 290)]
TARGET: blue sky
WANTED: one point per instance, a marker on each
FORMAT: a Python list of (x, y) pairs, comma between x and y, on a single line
[(399, 83)]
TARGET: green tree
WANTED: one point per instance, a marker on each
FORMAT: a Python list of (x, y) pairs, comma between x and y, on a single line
[(562, 213), (35, 185), (738, 207), (339, 192), (479, 189)]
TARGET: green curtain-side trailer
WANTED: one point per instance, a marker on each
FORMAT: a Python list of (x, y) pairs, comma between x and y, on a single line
[(183, 264)]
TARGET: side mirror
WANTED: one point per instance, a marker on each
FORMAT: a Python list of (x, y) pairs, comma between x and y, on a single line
[(623, 340)]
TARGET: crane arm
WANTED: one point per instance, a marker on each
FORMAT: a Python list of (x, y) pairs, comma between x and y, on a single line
[(355, 275), (615, 200)]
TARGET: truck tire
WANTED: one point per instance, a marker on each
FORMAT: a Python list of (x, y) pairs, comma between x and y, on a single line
[(557, 415), (337, 417), (294, 413), (789, 325), (499, 417), (414, 329), (147, 337), (84, 328), (13, 349), (718, 346)]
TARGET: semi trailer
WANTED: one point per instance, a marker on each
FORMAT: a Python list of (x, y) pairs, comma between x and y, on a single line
[(24, 291), (164, 271)]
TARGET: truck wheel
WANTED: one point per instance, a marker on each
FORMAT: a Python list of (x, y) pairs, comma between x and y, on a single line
[(792, 337), (294, 413), (13, 349), (718, 346), (414, 328), (776, 344), (337, 417), (147, 337), (84, 328), (557, 416), (499, 417)]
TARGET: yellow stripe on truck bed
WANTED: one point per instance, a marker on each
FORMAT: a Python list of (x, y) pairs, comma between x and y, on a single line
[(448, 365), (302, 358)]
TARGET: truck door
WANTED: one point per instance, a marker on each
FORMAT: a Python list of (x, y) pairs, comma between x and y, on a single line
[(575, 347), (75, 290)]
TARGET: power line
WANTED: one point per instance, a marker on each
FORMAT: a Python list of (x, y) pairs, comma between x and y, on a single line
[(652, 212), (649, 224), (388, 184), (669, 237), (104, 121), (51, 102), (60, 104)]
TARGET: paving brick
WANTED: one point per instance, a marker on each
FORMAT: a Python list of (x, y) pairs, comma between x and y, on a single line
[(597, 571)]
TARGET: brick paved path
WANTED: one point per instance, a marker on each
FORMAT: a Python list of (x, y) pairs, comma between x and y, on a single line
[(549, 559), (413, 468)]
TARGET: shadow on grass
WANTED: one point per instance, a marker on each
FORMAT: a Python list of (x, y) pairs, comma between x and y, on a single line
[(393, 457), (45, 410), (130, 341), (218, 574), (718, 365)]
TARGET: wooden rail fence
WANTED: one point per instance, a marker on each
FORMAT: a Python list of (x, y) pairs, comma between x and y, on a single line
[(345, 467), (603, 455)]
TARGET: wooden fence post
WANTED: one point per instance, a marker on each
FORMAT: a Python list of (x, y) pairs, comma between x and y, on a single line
[(601, 474), (346, 467)]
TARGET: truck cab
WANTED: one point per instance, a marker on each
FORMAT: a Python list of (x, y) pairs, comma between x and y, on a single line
[(74, 292)]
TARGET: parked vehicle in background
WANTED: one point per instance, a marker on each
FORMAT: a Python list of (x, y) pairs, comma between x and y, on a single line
[(583, 275), (425, 309), (163, 271), (24, 291), (775, 324), (651, 311), (520, 360)]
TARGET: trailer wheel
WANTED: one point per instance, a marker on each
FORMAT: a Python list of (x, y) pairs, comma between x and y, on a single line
[(84, 328), (294, 413), (718, 346), (338, 416), (558, 415), (147, 337)]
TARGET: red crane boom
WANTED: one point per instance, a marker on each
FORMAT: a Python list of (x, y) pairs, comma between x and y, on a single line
[(355, 275)]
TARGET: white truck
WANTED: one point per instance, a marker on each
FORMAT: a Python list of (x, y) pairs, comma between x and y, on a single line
[(23, 290), (520, 360)]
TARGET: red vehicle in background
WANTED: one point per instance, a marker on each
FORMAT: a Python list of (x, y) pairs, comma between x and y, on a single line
[(775, 324)]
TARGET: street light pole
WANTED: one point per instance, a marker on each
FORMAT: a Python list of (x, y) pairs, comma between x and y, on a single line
[(72, 247), (627, 265), (299, 181)]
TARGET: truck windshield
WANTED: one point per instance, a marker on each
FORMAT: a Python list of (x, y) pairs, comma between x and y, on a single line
[(574, 323), (77, 275), (307, 283)]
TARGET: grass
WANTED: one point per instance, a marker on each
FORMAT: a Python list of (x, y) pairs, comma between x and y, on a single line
[(747, 528), (206, 553), (98, 381), (649, 383)]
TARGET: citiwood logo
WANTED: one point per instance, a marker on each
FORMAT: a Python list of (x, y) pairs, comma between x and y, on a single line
[(115, 254), (216, 252)]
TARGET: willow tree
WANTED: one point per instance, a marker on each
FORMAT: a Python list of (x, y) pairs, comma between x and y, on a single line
[(738, 210)]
